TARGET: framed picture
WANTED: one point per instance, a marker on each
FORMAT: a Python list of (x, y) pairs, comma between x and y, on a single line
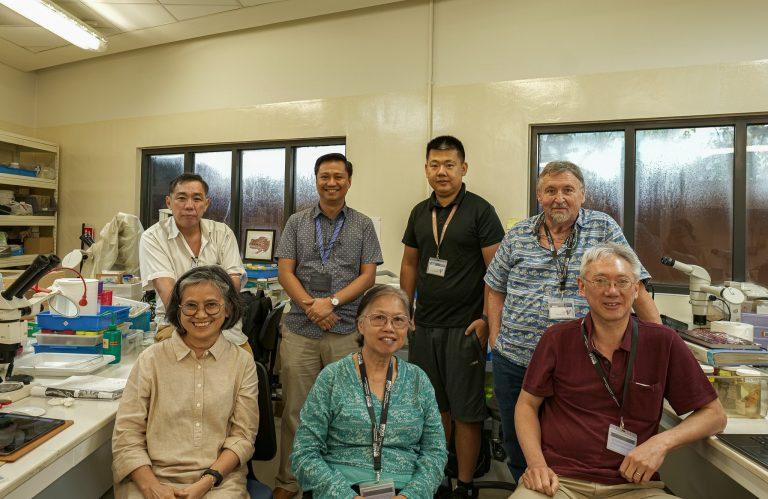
[(259, 245)]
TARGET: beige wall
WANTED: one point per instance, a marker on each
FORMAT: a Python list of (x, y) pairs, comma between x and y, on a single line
[(499, 66), (17, 100)]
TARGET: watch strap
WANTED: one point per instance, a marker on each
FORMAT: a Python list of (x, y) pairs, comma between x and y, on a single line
[(218, 477)]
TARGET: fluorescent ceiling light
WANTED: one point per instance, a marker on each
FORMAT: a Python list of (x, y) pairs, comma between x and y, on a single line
[(58, 22)]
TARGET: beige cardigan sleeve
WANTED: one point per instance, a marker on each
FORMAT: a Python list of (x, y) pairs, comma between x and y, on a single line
[(129, 440)]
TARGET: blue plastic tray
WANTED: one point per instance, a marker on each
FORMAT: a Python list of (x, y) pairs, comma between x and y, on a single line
[(17, 171), (96, 349), (261, 274), (46, 320)]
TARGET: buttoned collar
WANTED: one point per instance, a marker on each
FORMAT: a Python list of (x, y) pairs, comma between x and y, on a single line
[(433, 203), (626, 340), (205, 229), (182, 350), (316, 211)]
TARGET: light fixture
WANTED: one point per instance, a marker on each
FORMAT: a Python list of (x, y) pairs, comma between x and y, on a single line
[(58, 22)]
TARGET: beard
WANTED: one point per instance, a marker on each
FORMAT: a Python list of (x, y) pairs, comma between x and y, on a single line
[(559, 218)]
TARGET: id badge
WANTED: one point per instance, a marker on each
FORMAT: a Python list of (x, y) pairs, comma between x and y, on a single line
[(384, 489), (436, 267), (561, 308), (621, 441), (320, 282)]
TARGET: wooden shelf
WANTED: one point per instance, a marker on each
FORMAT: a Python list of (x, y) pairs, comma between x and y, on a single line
[(15, 261), (26, 221), (40, 183)]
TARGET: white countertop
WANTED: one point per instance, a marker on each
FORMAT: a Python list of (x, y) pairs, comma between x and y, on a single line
[(93, 423), (740, 468)]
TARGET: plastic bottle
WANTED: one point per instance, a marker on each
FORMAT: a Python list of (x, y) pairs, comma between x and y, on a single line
[(113, 342)]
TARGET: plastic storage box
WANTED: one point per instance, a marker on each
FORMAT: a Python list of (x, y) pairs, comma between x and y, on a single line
[(744, 395), (108, 314)]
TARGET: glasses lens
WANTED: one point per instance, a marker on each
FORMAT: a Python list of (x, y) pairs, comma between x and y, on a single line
[(377, 320), (189, 309), (212, 308)]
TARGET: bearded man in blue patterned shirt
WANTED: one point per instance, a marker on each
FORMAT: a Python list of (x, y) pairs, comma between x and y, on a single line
[(532, 281)]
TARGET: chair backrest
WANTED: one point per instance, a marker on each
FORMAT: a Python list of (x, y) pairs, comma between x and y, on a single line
[(257, 309), (269, 337), (266, 439)]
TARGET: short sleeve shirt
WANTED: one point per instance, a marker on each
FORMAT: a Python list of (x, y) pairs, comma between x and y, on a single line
[(577, 408), (456, 299), (528, 274), (355, 245), (163, 252)]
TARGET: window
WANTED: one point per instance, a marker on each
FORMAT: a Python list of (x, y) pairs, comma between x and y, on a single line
[(692, 189), (251, 186)]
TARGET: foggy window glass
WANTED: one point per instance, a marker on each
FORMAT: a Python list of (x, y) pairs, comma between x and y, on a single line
[(600, 155), (164, 168), (263, 190), (757, 203), (216, 170), (684, 200), (304, 186)]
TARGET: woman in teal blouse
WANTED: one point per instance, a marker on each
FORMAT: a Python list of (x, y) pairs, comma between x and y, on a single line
[(333, 448)]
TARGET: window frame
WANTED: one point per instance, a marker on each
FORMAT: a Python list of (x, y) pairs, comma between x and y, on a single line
[(739, 122), (236, 148)]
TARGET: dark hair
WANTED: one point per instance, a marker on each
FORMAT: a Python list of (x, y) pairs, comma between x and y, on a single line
[(187, 177), (333, 156), (374, 294), (446, 143), (212, 274)]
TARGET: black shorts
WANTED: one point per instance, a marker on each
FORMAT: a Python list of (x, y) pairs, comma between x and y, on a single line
[(455, 364)]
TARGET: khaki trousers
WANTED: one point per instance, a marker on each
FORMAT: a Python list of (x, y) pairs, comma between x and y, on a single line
[(301, 360), (570, 488)]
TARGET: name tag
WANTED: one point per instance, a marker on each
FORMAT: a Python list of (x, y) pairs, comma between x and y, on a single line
[(561, 309), (378, 490), (437, 267), (621, 441), (320, 282)]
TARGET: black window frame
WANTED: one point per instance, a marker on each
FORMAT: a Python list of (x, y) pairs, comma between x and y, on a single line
[(739, 122), (236, 148)]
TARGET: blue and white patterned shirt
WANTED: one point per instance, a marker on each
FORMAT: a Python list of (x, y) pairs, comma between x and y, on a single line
[(528, 275)]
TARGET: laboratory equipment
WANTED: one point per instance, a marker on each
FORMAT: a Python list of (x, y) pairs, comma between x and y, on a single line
[(700, 285), (753, 446), (14, 306)]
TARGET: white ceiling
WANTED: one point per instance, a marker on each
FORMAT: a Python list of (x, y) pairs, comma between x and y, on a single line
[(134, 24)]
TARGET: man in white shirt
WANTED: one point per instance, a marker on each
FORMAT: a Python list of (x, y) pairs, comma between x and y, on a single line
[(174, 245)]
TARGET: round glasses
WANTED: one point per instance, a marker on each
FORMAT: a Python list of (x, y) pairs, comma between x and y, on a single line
[(603, 283), (211, 308), (380, 320)]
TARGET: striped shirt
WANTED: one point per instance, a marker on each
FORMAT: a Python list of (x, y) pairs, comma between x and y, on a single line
[(528, 275)]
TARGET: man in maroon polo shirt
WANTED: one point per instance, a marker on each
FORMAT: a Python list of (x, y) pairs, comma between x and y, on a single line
[(590, 429)]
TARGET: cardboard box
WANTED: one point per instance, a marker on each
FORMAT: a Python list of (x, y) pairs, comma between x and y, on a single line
[(38, 245)]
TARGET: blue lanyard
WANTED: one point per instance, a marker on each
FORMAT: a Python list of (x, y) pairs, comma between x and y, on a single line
[(325, 253)]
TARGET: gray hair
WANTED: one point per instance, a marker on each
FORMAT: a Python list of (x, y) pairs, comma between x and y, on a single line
[(604, 250), (373, 294), (214, 275), (558, 167)]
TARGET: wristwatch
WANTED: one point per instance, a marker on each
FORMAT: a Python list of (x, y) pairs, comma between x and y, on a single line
[(335, 301), (216, 476)]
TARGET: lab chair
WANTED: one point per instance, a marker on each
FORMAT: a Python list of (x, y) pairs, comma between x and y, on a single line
[(265, 445), (269, 342)]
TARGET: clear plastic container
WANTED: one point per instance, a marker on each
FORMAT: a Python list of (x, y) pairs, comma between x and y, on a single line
[(68, 339), (744, 395), (132, 342)]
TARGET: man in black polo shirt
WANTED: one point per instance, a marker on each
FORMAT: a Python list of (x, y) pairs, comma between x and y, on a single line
[(450, 239)]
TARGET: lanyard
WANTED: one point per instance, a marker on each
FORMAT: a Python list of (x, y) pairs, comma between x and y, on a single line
[(376, 431), (570, 245), (325, 253), (601, 372), (439, 241)]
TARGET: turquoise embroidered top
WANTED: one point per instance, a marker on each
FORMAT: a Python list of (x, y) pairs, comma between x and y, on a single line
[(332, 448)]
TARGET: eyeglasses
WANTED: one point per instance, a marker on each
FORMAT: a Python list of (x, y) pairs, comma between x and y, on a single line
[(211, 308), (603, 283), (380, 320)]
